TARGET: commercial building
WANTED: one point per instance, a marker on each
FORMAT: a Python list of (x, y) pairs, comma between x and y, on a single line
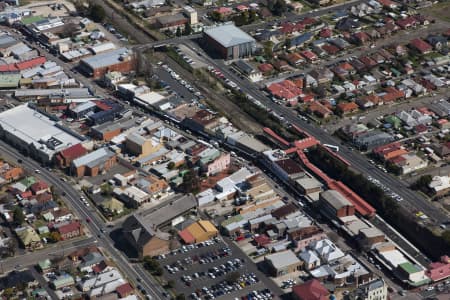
[(282, 263), (197, 232), (41, 136), (375, 290), (191, 13), (94, 163), (141, 146), (120, 60), (171, 22), (229, 42), (334, 205), (143, 230)]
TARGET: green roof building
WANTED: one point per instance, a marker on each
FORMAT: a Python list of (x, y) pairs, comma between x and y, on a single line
[(394, 121), (45, 265), (63, 281), (28, 181), (9, 80)]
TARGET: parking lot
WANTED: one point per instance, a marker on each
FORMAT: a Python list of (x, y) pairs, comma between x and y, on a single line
[(203, 271)]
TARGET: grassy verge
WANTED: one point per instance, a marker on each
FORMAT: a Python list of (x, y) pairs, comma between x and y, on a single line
[(439, 10)]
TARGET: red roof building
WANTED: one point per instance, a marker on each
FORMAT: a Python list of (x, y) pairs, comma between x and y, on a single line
[(421, 46), (406, 22), (265, 68), (124, 290), (347, 107), (309, 55), (224, 11), (286, 90), (65, 157), (319, 109), (388, 3), (361, 37), (310, 290), (439, 270), (186, 236), (325, 33), (70, 230), (392, 94), (261, 240), (39, 187), (242, 8), (20, 66)]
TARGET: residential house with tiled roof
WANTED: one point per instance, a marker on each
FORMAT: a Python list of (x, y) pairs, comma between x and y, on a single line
[(70, 230), (347, 107), (421, 46), (310, 290)]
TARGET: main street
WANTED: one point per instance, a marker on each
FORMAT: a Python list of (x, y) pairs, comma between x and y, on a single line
[(95, 226), (413, 201)]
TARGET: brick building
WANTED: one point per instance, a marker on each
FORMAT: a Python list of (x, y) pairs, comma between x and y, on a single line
[(120, 60)]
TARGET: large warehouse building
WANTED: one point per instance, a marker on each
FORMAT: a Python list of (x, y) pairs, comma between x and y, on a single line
[(121, 60), (229, 42), (39, 136)]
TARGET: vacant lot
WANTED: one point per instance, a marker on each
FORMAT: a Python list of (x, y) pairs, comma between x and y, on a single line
[(440, 11)]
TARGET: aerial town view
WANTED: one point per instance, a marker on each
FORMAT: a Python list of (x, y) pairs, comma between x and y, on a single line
[(225, 149)]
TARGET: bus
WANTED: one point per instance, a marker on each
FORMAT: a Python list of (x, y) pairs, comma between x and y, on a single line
[(332, 147)]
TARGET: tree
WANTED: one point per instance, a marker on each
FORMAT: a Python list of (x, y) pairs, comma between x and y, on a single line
[(191, 182), (55, 236), (422, 183), (187, 29), (97, 13), (233, 277), (180, 297), (171, 284), (216, 16), (19, 217), (178, 32), (69, 30), (106, 189), (171, 165)]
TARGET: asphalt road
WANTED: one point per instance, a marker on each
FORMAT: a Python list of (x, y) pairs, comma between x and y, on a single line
[(96, 224), (412, 201)]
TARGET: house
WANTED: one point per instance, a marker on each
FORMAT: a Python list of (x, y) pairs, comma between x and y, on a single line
[(319, 109), (347, 107), (124, 290), (29, 238), (440, 270), (282, 263), (420, 46), (39, 187), (310, 290), (322, 75), (113, 206), (377, 289), (361, 37), (266, 68), (310, 259), (70, 230)]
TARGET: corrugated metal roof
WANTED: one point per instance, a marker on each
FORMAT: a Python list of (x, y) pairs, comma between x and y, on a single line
[(107, 58), (229, 35)]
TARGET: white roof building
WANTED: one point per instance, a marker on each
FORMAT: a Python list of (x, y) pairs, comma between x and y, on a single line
[(40, 135)]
